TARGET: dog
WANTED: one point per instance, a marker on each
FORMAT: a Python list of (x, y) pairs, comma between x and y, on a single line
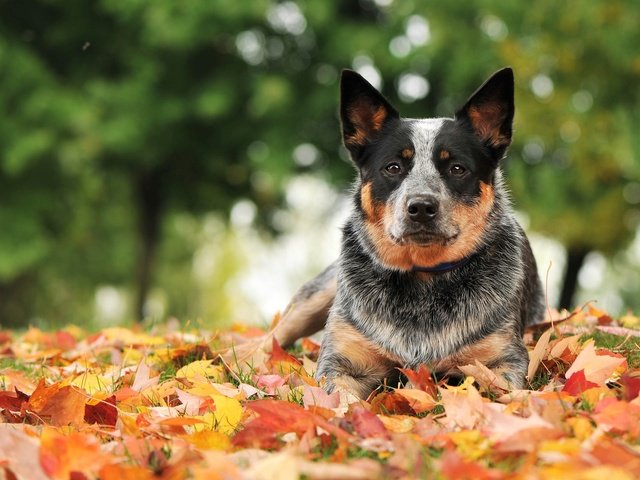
[(434, 268)]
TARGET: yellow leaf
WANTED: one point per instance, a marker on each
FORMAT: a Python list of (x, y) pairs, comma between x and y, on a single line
[(225, 418), (398, 423), (630, 321), (209, 440), (471, 444), (202, 389), (128, 337), (93, 383), (568, 471), (98, 397), (581, 427), (566, 446), (200, 368), (593, 395)]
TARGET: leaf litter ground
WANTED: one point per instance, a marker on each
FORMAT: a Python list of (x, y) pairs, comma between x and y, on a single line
[(176, 404)]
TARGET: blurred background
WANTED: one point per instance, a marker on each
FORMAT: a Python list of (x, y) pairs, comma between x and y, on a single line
[(182, 157)]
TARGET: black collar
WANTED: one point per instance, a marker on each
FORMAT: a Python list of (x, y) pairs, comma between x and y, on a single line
[(442, 267)]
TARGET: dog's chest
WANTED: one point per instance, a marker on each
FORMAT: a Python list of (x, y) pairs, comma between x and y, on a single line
[(415, 323)]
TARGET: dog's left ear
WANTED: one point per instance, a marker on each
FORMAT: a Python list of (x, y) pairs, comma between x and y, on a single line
[(489, 112), (364, 112)]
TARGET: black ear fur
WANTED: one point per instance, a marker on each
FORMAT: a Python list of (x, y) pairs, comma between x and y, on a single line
[(363, 111), (489, 112)]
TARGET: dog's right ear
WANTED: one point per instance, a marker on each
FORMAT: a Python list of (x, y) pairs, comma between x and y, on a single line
[(363, 110)]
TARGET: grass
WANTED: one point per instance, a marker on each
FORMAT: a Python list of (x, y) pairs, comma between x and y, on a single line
[(629, 347)]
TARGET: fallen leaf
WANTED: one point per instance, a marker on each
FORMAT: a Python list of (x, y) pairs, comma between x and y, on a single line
[(58, 405), (577, 383), (421, 379), (486, 378), (597, 367), (103, 412), (61, 455), (419, 400), (143, 379), (19, 452), (200, 368), (315, 396), (278, 417), (391, 402), (209, 440), (367, 424), (536, 356)]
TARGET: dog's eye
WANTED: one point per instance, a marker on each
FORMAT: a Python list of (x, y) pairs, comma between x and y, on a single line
[(457, 170), (393, 169)]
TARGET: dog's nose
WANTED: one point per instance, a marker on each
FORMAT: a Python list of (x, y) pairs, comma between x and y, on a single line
[(422, 209)]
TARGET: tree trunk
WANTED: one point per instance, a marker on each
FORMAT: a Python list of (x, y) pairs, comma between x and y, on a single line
[(575, 260), (150, 209)]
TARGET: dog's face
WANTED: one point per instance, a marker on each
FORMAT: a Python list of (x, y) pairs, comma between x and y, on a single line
[(426, 186)]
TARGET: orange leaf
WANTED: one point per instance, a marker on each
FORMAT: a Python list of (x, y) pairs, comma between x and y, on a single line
[(452, 465), (422, 379), (61, 455), (58, 405), (309, 346), (180, 421), (278, 417), (123, 472), (618, 416), (419, 400), (279, 355)]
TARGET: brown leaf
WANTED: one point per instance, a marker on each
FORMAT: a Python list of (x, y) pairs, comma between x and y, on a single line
[(104, 412), (391, 402), (58, 405)]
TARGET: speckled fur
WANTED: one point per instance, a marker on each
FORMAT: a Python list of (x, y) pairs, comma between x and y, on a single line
[(384, 315)]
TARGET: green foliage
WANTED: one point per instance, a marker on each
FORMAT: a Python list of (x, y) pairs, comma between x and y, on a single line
[(122, 117)]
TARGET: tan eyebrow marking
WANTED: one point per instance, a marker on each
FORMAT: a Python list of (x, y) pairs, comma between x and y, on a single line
[(407, 153), (444, 154)]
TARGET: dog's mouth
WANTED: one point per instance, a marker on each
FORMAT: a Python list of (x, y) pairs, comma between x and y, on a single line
[(424, 239)]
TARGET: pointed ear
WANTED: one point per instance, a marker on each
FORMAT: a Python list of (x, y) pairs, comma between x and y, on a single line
[(363, 111), (489, 112)]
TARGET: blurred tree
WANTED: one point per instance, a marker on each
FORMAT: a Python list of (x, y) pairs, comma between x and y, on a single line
[(121, 114), (577, 154), (134, 110)]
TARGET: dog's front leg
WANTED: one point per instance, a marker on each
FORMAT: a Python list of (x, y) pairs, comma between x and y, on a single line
[(349, 361), (512, 364)]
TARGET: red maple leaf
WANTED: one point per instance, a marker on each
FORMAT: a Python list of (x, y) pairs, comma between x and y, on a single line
[(577, 384)]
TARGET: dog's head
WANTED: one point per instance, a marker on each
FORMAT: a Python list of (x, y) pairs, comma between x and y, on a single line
[(426, 185)]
